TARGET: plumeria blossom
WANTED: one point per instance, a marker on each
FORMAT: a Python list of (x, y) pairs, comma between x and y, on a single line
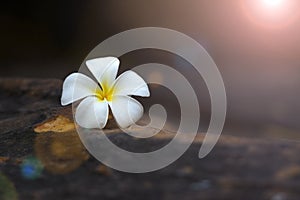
[(93, 110)]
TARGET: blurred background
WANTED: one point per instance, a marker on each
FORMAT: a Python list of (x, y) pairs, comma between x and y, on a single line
[(255, 44)]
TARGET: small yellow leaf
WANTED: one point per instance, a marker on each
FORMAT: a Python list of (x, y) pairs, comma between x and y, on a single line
[(59, 124)]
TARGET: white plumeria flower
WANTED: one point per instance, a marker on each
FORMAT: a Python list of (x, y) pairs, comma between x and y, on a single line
[(92, 112)]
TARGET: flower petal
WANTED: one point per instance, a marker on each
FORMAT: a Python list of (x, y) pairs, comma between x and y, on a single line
[(130, 83), (126, 110), (77, 86), (92, 113), (104, 69)]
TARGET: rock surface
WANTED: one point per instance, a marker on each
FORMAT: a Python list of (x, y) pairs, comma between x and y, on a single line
[(48, 163)]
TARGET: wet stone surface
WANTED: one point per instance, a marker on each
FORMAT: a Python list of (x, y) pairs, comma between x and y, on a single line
[(42, 157)]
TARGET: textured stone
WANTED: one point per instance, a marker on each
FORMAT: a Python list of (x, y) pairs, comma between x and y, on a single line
[(237, 168)]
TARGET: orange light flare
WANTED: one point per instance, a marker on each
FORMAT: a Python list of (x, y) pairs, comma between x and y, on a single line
[(272, 13)]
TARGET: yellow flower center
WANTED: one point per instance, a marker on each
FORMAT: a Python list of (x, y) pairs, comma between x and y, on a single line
[(105, 93)]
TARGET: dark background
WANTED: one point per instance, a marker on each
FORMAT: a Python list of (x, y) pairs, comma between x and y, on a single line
[(257, 55)]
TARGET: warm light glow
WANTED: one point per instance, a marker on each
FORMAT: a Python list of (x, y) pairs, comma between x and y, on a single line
[(273, 2), (272, 13)]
